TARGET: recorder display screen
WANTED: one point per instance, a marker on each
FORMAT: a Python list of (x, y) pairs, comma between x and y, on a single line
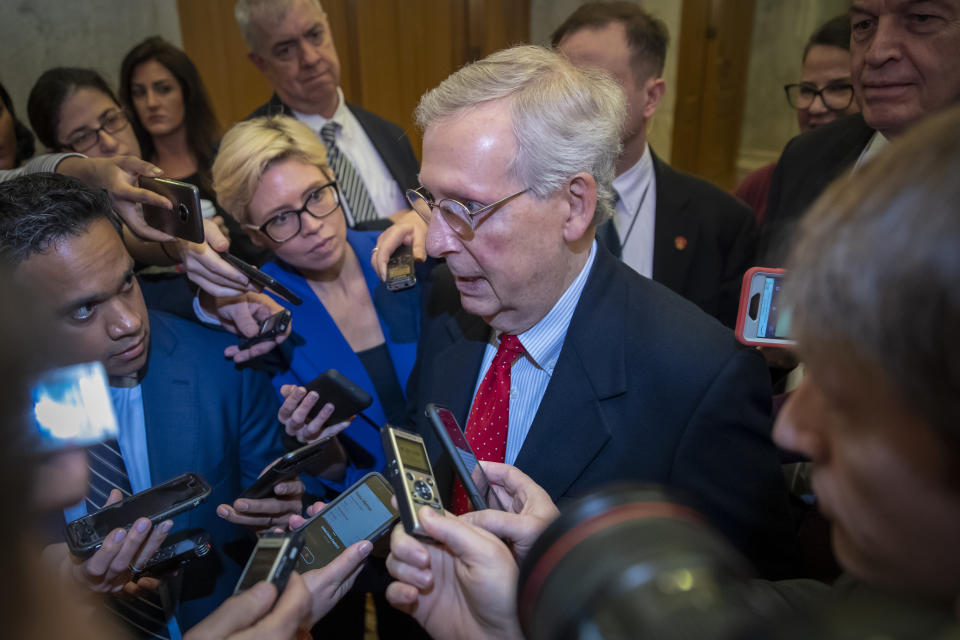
[(412, 454)]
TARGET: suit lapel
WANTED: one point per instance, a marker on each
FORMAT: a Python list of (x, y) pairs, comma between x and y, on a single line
[(675, 229), (455, 367), (170, 406), (570, 426)]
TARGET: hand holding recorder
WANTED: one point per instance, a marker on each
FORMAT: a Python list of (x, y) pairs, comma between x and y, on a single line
[(408, 229), (464, 587)]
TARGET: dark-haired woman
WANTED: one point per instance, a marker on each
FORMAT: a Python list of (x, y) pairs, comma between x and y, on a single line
[(16, 141), (175, 125)]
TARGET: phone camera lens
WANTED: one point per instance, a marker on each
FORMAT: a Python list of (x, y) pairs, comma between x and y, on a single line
[(183, 212)]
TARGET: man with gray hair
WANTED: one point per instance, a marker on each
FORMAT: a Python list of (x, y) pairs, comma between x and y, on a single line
[(557, 357), (292, 45)]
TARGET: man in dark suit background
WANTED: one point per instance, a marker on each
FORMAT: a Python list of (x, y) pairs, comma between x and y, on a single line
[(677, 229), (181, 407), (611, 376), (292, 45), (903, 68)]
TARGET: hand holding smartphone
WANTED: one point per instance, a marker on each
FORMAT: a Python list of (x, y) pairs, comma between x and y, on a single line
[(264, 280), (185, 220), (273, 559), (347, 398), (287, 468), (269, 329)]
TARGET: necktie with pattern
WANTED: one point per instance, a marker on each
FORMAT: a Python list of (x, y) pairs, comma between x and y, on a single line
[(351, 184), (490, 413)]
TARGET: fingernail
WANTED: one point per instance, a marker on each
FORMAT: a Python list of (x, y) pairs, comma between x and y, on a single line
[(280, 489), (120, 535), (365, 548), (157, 171), (222, 512), (143, 525), (166, 526), (241, 505)]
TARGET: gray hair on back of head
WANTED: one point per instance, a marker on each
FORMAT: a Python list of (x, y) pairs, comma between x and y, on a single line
[(565, 119), (874, 273)]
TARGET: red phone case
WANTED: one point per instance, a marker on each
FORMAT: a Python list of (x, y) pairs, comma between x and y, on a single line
[(745, 303)]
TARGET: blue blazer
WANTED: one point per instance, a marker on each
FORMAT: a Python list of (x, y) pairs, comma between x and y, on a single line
[(318, 345), (203, 415)]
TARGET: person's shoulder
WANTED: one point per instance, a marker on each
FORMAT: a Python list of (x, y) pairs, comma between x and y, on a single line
[(272, 107), (707, 198), (836, 138), (369, 119), (170, 332)]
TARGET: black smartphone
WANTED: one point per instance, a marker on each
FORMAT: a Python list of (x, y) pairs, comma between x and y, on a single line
[(185, 220), (71, 408), (85, 535), (347, 398), (464, 460), (178, 549), (269, 328), (264, 280), (272, 560), (288, 467), (411, 476), (400, 271), (362, 512)]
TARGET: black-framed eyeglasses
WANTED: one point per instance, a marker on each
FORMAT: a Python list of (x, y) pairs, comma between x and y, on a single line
[(835, 97), (320, 203), (112, 122), (461, 218)]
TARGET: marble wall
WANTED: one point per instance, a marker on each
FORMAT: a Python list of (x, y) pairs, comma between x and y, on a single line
[(39, 34), (780, 32), (546, 15)]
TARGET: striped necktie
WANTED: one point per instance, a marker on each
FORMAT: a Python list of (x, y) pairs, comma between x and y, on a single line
[(144, 616), (349, 179)]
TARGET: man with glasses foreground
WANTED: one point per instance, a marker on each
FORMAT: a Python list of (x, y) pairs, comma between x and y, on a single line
[(903, 69), (554, 355)]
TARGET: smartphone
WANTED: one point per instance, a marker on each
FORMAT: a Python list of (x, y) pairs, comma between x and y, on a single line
[(72, 408), (362, 512), (264, 280), (85, 535), (287, 468), (762, 320), (270, 328), (464, 460), (185, 220), (409, 471), (400, 272), (178, 549), (347, 398), (272, 560)]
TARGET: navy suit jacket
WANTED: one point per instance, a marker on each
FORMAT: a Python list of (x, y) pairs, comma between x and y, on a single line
[(204, 416), (704, 240), (809, 163), (647, 388), (388, 139)]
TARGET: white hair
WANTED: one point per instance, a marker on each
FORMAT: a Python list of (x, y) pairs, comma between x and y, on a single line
[(565, 119), (251, 13)]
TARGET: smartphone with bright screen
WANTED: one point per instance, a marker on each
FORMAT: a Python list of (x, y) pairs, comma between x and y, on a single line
[(71, 407), (362, 512), (763, 319)]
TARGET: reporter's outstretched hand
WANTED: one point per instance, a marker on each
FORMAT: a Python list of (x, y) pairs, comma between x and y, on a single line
[(328, 584), (119, 176), (247, 615), (241, 315), (528, 508), (297, 403), (407, 229), (264, 513), (207, 269), (109, 569), (463, 588)]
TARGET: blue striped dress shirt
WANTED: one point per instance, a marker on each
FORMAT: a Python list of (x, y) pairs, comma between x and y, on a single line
[(531, 373)]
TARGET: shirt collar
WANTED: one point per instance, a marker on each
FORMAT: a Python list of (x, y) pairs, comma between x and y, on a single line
[(339, 114), (877, 143), (543, 341), (630, 184)]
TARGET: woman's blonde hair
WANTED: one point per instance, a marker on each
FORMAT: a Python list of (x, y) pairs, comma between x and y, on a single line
[(247, 151)]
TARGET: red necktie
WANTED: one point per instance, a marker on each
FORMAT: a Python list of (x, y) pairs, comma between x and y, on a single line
[(490, 414)]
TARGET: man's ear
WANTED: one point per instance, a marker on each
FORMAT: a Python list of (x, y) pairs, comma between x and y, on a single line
[(257, 61), (653, 90), (581, 196)]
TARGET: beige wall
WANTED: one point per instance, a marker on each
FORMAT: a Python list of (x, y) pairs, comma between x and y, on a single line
[(546, 15), (39, 34), (780, 31)]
